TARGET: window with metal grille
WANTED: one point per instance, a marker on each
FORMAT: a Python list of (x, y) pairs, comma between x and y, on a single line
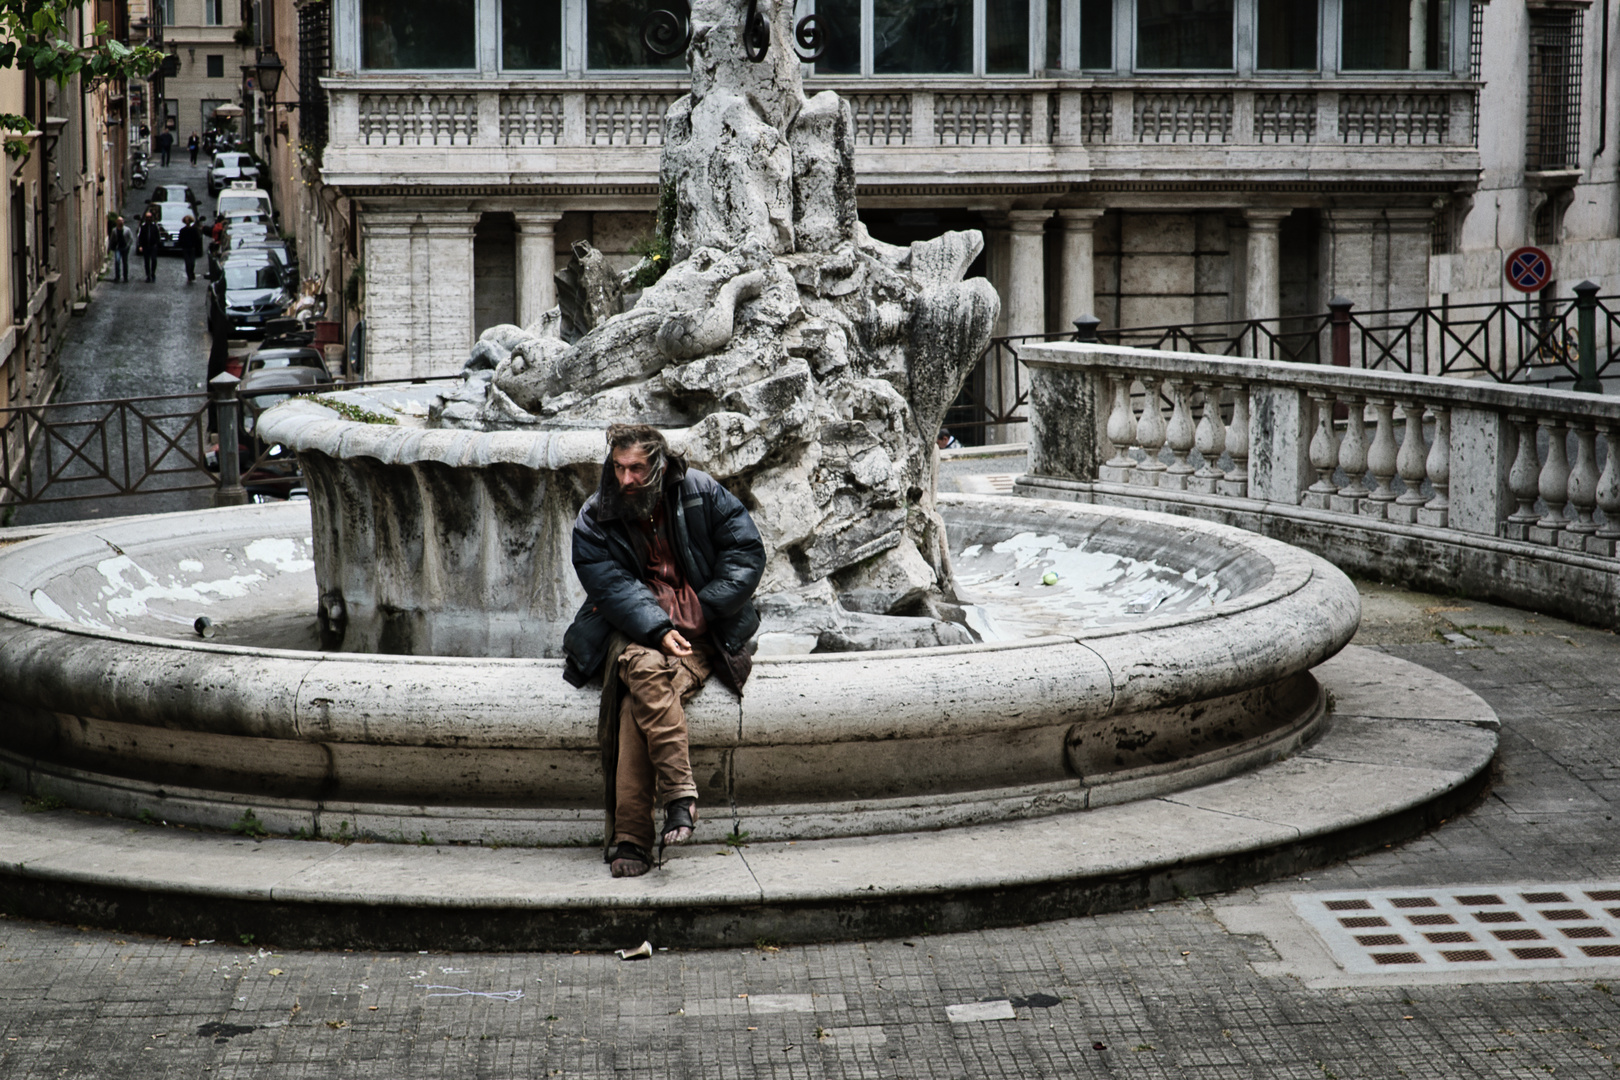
[(314, 57), (1553, 130), (1442, 231)]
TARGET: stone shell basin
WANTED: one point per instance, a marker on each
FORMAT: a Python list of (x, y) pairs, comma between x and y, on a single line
[(111, 700)]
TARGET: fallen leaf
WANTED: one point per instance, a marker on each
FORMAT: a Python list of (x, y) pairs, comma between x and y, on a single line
[(337, 1025), (277, 971), (373, 1008)]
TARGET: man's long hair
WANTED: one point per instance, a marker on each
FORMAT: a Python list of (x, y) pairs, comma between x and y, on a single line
[(642, 502)]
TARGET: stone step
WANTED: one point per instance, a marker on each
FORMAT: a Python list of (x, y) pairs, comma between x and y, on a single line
[(1405, 749)]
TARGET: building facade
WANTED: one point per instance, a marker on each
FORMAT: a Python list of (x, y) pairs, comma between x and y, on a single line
[(1146, 161), (208, 42), (54, 208)]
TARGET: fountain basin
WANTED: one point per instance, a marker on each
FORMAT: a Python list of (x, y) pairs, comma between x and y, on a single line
[(114, 702)]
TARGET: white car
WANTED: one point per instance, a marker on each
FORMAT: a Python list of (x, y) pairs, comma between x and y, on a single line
[(229, 165), (243, 197)]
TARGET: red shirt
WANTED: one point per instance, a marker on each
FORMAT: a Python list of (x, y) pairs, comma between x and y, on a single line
[(663, 576)]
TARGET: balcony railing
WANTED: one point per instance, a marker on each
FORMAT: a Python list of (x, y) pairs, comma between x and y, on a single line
[(376, 112)]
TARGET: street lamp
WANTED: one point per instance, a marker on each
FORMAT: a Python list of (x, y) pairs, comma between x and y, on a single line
[(269, 68)]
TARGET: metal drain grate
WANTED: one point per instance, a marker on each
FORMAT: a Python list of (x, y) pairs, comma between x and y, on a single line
[(1428, 929)]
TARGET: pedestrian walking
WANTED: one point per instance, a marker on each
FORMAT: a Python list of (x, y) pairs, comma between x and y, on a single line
[(190, 241), (147, 242), (165, 143), (120, 239), (193, 144)]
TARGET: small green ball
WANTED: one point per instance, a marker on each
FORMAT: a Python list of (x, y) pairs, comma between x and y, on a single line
[(1049, 578)]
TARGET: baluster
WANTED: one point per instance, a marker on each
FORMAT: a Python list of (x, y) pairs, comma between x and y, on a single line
[(1352, 457), (1381, 459), (1236, 482), (1324, 453), (1211, 442), (1583, 482), (1553, 484), (1412, 463), (1608, 496), (1437, 511), (1150, 434), (1523, 479), (1121, 432), (1179, 435)]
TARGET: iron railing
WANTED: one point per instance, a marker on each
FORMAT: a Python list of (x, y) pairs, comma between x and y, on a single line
[(104, 449), (90, 450)]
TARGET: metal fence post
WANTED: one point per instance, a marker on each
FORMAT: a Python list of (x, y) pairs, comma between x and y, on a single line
[(1340, 307), (1085, 328), (222, 388), (1586, 379)]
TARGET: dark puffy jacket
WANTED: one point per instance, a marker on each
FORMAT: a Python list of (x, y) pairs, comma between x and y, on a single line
[(721, 555)]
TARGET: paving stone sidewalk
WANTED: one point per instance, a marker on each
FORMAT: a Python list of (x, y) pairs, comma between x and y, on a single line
[(1165, 992)]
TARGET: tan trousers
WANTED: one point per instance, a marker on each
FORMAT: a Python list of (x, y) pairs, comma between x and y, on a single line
[(655, 763)]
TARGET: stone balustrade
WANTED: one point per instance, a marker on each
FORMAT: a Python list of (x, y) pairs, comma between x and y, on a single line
[(1477, 485), (374, 119)]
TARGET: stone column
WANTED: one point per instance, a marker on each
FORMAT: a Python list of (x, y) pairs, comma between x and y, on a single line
[(1024, 302), (1348, 257), (419, 300), (1079, 275), (386, 250), (1263, 273), (1410, 241), (537, 263)]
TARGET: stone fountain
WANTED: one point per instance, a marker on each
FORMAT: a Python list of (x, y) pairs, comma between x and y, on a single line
[(798, 360), (382, 660)]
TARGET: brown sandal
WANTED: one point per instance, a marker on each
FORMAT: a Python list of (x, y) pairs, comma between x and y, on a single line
[(628, 860), (679, 814)]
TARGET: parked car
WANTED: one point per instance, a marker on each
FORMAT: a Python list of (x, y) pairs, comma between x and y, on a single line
[(278, 247), (241, 227), (246, 290), (281, 356), (169, 217), (174, 193), (243, 197), (230, 165)]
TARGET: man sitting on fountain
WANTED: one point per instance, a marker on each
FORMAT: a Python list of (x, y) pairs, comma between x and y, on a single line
[(670, 561)]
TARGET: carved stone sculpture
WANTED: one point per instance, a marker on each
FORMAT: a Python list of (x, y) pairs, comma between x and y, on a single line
[(803, 363)]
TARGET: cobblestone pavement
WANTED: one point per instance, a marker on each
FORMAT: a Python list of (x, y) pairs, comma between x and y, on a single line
[(137, 339), (1166, 992)]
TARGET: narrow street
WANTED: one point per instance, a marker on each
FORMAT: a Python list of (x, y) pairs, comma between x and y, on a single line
[(137, 339)]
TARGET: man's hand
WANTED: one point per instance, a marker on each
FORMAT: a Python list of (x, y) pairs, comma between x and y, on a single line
[(675, 645)]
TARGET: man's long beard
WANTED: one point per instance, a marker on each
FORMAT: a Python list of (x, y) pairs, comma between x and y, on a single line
[(642, 502)]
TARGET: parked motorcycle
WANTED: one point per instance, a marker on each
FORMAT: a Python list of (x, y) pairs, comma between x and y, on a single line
[(137, 170)]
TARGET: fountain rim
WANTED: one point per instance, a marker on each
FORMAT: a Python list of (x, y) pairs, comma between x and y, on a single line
[(1291, 570)]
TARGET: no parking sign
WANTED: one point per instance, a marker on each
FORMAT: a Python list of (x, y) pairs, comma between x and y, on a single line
[(1528, 269)]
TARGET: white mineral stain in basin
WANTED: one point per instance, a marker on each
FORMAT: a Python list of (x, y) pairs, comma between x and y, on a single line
[(1007, 600), (288, 554), (134, 593)]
